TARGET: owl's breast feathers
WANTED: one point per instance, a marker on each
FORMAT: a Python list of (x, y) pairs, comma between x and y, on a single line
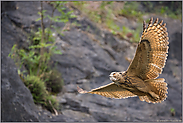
[(151, 90), (134, 84)]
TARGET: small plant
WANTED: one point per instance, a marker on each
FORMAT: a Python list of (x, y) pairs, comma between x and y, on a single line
[(172, 110), (37, 74)]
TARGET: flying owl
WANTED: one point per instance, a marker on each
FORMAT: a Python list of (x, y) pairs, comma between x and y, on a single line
[(140, 79)]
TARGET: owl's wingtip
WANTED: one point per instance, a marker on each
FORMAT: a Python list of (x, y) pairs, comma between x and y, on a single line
[(80, 90)]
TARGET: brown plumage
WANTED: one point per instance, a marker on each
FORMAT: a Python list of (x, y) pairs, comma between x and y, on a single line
[(140, 77)]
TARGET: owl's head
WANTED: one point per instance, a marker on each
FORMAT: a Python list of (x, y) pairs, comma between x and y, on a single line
[(116, 76)]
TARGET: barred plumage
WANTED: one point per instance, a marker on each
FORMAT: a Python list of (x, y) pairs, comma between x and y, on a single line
[(140, 77)]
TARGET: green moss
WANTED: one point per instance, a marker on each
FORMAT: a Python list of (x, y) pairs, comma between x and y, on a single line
[(37, 88), (39, 92)]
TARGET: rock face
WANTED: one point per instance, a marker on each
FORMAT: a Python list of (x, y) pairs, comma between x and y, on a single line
[(16, 100), (89, 56)]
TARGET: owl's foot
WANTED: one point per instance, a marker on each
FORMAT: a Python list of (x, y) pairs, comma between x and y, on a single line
[(155, 96)]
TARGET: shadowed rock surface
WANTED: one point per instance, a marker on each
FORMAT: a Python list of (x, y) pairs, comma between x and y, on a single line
[(89, 55)]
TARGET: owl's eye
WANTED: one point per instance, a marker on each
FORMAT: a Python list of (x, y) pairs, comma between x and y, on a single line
[(120, 73)]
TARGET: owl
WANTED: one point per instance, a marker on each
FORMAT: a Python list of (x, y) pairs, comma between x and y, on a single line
[(140, 79)]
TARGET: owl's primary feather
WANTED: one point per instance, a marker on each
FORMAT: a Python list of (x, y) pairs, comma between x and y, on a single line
[(111, 90), (140, 77), (151, 52)]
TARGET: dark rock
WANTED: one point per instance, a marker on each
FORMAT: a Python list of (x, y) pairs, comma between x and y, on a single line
[(110, 40), (7, 6), (102, 117), (17, 102), (75, 106), (83, 61), (176, 46), (71, 88), (46, 116), (58, 118), (87, 25), (77, 116)]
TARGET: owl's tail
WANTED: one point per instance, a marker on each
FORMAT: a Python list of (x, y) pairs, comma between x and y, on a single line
[(158, 91)]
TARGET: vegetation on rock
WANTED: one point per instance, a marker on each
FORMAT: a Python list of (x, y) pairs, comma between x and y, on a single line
[(108, 13), (37, 73)]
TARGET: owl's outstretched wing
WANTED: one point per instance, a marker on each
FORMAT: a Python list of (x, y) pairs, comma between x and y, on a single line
[(151, 52), (110, 90)]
